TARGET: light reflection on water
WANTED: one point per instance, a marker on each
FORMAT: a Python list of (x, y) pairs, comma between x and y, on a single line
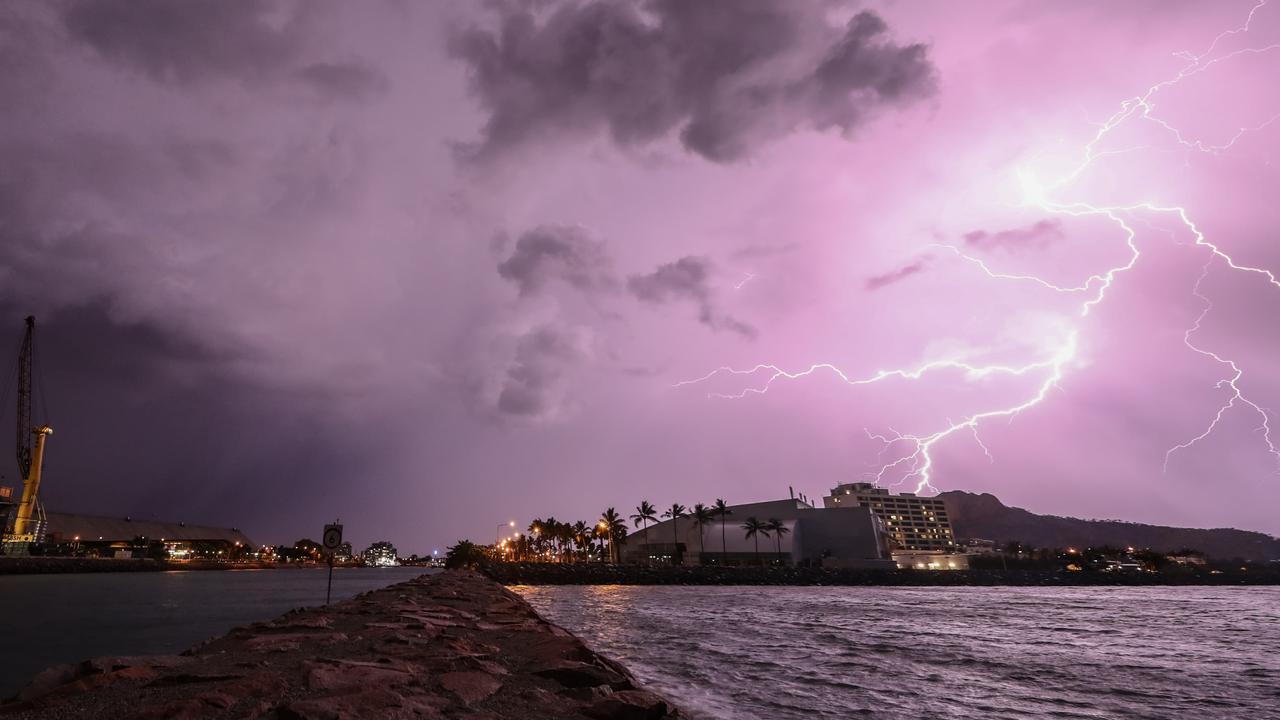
[(48, 620), (889, 653)]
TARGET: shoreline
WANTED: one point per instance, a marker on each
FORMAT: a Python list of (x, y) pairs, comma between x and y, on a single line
[(602, 574), (63, 565), (448, 645)]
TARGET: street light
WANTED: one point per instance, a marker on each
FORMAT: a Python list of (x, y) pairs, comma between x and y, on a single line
[(497, 533)]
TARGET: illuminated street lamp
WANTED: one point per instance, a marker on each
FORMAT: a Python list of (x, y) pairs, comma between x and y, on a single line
[(498, 532)]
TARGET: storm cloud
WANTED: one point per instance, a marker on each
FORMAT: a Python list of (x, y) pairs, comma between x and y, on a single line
[(567, 254), (879, 281), (185, 43), (725, 75), (535, 384), (267, 296), (687, 280), (1038, 234)]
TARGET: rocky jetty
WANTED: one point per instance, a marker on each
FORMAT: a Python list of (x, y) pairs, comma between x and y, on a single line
[(451, 645)]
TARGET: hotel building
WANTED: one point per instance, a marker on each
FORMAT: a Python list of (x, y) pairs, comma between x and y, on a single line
[(917, 528)]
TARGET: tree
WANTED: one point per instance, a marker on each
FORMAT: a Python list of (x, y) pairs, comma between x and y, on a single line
[(755, 529), (552, 531), (721, 511), (615, 528), (465, 554), (675, 512), (775, 526), (310, 548), (645, 513), (701, 515), (581, 538)]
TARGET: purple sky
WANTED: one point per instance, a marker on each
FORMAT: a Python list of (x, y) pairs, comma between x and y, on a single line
[(434, 266)]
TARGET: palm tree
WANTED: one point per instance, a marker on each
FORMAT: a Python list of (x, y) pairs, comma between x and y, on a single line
[(580, 537), (645, 514), (535, 537), (675, 512), (755, 529), (775, 526), (721, 510), (615, 527), (701, 516)]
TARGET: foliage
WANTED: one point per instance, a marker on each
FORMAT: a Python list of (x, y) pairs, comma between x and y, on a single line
[(465, 554)]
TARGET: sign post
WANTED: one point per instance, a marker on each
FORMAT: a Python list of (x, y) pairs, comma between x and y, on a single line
[(331, 541)]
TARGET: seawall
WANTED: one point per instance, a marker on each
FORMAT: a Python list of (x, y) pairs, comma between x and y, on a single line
[(605, 574), (451, 645)]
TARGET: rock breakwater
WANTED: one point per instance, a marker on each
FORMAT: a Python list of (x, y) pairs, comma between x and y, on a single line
[(452, 645)]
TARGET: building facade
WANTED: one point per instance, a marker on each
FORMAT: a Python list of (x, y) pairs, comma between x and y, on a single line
[(911, 523), (380, 554), (99, 536), (839, 537)]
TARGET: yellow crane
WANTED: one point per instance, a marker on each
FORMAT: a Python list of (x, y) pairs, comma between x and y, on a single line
[(31, 441)]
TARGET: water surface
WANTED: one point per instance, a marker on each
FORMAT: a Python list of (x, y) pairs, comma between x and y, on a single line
[(47, 620), (891, 653)]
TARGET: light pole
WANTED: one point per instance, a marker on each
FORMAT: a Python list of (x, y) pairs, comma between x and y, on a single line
[(497, 533), (604, 536)]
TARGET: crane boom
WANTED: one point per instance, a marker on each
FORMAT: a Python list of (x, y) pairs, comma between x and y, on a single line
[(31, 440), (25, 362)]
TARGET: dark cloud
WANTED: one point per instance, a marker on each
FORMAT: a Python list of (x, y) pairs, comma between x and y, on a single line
[(534, 386), (251, 41), (551, 253), (687, 279), (149, 423), (344, 81), (727, 75), (187, 42), (1038, 235), (902, 273)]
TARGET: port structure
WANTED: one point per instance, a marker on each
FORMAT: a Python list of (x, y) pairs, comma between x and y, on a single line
[(28, 522)]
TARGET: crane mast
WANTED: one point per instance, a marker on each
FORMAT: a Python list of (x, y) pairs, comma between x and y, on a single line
[(26, 360), (31, 441)]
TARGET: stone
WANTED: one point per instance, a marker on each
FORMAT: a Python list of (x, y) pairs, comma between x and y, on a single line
[(349, 677), (470, 687), (581, 675), (373, 704), (631, 705), (47, 681), (287, 642), (187, 678)]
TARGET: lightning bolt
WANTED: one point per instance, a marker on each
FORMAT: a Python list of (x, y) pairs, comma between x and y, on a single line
[(916, 462), (1231, 382)]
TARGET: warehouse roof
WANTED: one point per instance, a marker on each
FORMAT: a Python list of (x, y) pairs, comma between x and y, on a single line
[(93, 527)]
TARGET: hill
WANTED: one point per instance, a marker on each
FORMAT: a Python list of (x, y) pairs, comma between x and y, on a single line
[(984, 516)]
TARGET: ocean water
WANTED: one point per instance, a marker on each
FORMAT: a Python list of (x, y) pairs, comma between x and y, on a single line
[(48, 620), (897, 653)]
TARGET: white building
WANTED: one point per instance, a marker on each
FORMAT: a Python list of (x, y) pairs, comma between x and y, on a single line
[(380, 554)]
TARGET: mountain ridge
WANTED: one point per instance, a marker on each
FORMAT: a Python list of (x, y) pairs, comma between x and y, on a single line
[(983, 515)]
